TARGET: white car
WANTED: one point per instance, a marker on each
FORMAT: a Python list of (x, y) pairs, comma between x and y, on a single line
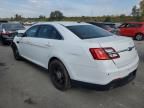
[(78, 52)]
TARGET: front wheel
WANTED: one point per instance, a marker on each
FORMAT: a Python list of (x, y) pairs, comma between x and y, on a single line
[(59, 75), (139, 37)]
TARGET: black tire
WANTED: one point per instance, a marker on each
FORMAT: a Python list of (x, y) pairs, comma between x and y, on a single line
[(16, 53), (59, 75), (3, 41), (139, 37)]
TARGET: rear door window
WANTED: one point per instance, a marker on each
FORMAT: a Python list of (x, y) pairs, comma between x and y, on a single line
[(48, 32)]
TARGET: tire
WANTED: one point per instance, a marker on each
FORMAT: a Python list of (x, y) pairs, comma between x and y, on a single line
[(3, 41), (139, 37), (59, 75), (16, 53)]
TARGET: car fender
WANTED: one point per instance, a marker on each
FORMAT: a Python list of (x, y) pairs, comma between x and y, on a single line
[(65, 62)]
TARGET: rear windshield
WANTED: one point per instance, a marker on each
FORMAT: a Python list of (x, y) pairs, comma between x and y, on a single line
[(106, 27), (13, 27), (89, 31), (111, 25), (102, 26)]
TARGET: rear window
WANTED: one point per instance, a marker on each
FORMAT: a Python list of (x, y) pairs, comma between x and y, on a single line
[(100, 25), (106, 27), (111, 25), (13, 26), (88, 31)]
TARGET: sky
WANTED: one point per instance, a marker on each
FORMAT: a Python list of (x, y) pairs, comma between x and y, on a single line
[(34, 8)]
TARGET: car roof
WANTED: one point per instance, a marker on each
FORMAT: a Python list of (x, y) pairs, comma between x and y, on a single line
[(64, 23)]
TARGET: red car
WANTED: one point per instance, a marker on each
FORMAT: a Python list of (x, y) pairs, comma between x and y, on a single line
[(132, 29)]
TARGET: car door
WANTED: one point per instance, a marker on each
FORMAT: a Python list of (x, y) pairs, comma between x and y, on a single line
[(44, 44), (130, 29), (25, 43), (123, 29)]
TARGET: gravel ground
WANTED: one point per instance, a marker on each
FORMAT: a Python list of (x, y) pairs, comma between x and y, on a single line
[(25, 85)]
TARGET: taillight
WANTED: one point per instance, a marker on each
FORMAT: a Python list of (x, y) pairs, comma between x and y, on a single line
[(99, 54), (104, 53), (112, 53), (5, 33)]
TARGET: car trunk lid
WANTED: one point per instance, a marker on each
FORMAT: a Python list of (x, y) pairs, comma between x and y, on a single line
[(123, 46)]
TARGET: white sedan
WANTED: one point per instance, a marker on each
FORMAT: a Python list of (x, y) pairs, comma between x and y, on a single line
[(78, 52)]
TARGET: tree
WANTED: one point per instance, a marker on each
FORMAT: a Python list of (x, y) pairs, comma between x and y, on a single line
[(136, 13), (108, 19), (42, 17), (18, 17), (142, 7), (122, 17), (56, 15)]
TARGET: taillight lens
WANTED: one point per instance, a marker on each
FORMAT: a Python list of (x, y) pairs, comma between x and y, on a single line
[(99, 54), (5, 33), (112, 53), (104, 53)]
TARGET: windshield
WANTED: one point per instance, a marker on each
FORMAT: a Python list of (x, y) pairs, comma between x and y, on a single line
[(13, 27), (89, 31)]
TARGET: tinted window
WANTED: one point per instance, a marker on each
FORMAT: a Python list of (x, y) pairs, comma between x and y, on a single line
[(133, 25), (48, 32), (88, 31), (101, 25), (130, 25), (111, 25), (32, 31), (123, 25), (44, 31), (13, 26)]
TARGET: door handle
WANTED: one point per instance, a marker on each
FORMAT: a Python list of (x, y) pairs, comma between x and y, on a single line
[(17, 42)]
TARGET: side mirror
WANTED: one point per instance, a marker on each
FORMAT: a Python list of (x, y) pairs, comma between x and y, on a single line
[(20, 35), (23, 34)]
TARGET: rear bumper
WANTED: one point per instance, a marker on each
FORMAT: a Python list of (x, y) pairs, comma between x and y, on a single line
[(7, 39), (102, 74), (113, 84)]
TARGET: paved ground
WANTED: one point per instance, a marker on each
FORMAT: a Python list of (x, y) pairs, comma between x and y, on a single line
[(24, 85)]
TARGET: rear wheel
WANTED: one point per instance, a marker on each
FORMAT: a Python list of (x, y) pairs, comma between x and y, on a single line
[(3, 41), (139, 37), (16, 53), (59, 75)]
